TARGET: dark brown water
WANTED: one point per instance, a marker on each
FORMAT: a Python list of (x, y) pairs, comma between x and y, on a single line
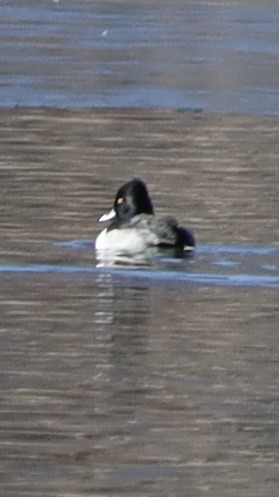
[(155, 382)]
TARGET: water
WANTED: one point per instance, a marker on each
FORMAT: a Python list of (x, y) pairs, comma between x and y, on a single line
[(211, 55), (143, 381), (150, 381), (240, 270)]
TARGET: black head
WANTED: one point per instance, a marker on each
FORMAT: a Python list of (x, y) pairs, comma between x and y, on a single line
[(132, 198)]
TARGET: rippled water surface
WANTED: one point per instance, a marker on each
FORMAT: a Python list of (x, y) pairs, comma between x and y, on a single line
[(220, 56), (153, 381)]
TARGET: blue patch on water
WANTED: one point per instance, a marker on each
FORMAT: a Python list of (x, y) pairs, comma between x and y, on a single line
[(226, 264), (236, 249), (271, 268), (206, 268), (201, 249), (76, 244), (151, 276), (89, 54)]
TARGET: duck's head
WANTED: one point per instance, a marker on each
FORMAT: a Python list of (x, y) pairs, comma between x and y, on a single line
[(131, 199)]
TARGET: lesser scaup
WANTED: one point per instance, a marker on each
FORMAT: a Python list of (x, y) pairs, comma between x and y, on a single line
[(134, 228)]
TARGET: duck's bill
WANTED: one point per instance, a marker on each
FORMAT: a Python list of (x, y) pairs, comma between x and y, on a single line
[(109, 215)]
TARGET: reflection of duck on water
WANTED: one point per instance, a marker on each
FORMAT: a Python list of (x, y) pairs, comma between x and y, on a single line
[(134, 229), (122, 321)]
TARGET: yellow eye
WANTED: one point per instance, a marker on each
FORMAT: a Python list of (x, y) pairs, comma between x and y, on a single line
[(120, 201)]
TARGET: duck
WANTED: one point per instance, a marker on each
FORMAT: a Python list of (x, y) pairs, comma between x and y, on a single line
[(134, 228)]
